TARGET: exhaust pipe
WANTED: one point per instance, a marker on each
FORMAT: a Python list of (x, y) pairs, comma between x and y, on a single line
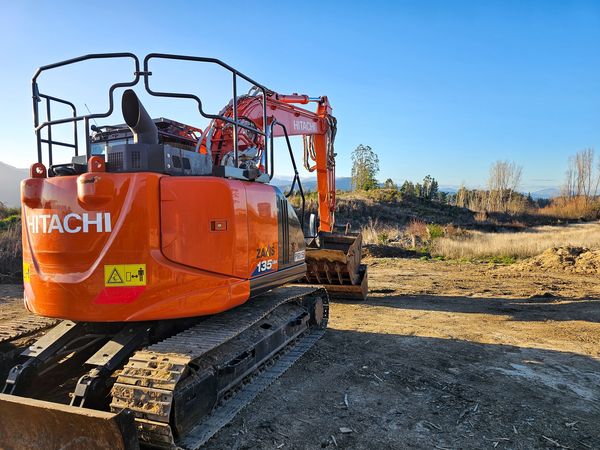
[(137, 119)]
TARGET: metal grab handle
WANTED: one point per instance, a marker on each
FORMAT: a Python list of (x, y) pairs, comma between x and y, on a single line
[(235, 73), (296, 174), (86, 118)]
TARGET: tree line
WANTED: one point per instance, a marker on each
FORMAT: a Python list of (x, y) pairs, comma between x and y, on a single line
[(502, 194)]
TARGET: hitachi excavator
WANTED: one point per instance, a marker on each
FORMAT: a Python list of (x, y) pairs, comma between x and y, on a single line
[(163, 267)]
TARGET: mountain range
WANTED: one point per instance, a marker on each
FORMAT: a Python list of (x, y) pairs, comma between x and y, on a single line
[(310, 183), (10, 178)]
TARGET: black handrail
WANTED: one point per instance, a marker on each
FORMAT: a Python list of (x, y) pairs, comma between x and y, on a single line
[(49, 140), (146, 73), (296, 174), (86, 118), (235, 73)]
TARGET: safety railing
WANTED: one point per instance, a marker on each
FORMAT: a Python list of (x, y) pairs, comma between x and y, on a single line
[(37, 97), (145, 74)]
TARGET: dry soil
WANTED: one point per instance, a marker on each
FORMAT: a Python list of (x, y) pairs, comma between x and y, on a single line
[(442, 355)]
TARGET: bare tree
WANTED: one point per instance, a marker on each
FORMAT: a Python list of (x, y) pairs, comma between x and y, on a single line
[(582, 178), (569, 189), (503, 182), (584, 161)]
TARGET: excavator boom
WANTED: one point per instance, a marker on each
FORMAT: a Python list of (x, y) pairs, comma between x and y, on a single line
[(333, 255)]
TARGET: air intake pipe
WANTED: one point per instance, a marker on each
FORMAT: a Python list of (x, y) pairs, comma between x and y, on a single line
[(137, 119)]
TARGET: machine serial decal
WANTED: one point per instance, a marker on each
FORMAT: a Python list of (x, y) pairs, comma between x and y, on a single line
[(265, 266), (299, 255), (70, 223), (26, 273), (125, 275), (266, 251)]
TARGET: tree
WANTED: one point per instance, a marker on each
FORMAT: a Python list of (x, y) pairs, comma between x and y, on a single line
[(389, 184), (365, 166), (430, 187), (504, 179), (418, 190), (407, 189), (581, 178)]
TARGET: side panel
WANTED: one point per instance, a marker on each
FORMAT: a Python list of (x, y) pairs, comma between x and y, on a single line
[(204, 224), (262, 229), (291, 238), (78, 273)]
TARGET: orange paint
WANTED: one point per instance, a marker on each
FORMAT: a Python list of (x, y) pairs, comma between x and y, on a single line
[(74, 225)]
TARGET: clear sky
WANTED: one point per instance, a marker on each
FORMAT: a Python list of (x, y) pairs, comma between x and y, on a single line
[(434, 87)]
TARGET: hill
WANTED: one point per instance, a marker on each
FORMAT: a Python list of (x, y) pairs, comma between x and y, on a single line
[(309, 184), (10, 179), (547, 193)]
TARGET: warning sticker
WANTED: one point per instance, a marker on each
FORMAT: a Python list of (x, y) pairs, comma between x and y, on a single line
[(26, 276), (125, 275)]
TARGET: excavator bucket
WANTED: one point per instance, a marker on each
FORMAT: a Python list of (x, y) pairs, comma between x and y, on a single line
[(336, 265), (29, 423)]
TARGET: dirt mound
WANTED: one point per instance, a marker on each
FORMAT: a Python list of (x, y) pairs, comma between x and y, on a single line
[(567, 259)]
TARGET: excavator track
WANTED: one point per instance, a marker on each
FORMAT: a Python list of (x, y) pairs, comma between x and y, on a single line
[(21, 327), (247, 393), (176, 370), (16, 333)]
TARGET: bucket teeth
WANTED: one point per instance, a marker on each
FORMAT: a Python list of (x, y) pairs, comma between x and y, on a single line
[(336, 265)]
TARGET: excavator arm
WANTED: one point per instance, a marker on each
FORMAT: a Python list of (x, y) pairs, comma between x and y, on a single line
[(334, 259), (284, 117)]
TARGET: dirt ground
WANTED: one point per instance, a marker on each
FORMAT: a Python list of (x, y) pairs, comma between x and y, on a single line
[(442, 355)]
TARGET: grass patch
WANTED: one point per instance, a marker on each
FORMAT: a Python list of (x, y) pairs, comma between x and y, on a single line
[(507, 247), (506, 260)]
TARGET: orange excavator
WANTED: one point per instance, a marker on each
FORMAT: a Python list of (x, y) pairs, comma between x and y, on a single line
[(168, 258)]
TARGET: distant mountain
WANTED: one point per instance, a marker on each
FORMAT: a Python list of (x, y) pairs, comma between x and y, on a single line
[(10, 180), (448, 189), (545, 193), (310, 183)]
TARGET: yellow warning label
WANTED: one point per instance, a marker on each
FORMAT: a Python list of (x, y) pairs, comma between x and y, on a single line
[(125, 275), (26, 276)]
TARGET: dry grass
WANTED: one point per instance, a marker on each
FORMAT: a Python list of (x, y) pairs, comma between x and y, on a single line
[(480, 245), (572, 208), (375, 233), (10, 254)]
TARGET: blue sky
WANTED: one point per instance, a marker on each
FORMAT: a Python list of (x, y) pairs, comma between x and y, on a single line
[(434, 87)]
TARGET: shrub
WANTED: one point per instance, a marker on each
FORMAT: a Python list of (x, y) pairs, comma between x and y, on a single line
[(417, 229), (10, 254), (382, 238), (452, 230), (384, 195), (9, 222), (434, 231), (6, 211), (572, 208), (375, 233)]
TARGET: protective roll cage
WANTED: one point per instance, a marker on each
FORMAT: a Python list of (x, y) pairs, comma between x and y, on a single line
[(237, 122), (145, 74)]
